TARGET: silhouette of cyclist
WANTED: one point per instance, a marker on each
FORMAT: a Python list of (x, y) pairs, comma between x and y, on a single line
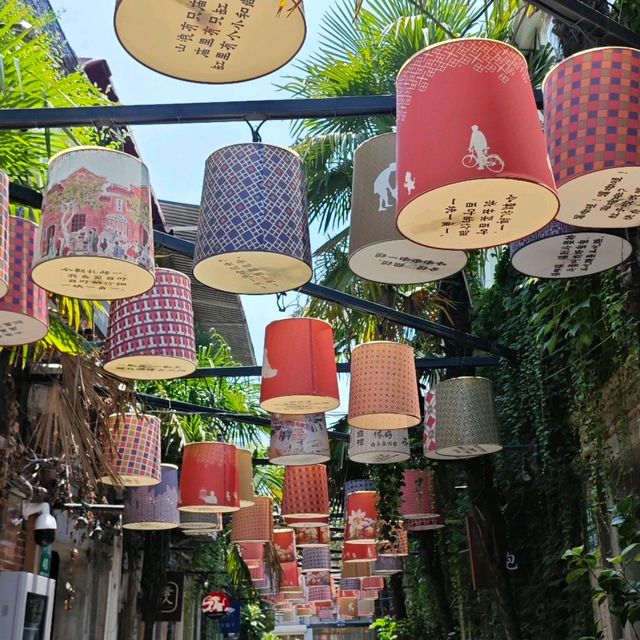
[(478, 146)]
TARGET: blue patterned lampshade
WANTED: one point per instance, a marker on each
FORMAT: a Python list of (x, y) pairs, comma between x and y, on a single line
[(316, 559), (154, 507), (253, 234)]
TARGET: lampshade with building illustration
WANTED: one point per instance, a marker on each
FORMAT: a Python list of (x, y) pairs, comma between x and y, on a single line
[(209, 478), (214, 43), (306, 491), (299, 374), (135, 455), (377, 251), (299, 439), (253, 232), (383, 446), (254, 523), (472, 165), (95, 236), (467, 420), (153, 507), (591, 113), (24, 314), (383, 392), (152, 336)]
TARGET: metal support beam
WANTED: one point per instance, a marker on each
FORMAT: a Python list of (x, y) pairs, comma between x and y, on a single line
[(582, 15), (202, 112)]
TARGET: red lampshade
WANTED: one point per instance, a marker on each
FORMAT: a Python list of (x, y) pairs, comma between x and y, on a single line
[(254, 523), (209, 479), (284, 542), (306, 492), (356, 569), (24, 316), (298, 522), (313, 536), (354, 552), (137, 445), (373, 582), (252, 553), (299, 373), (383, 392), (291, 582), (418, 494), (397, 547), (361, 517), (424, 524)]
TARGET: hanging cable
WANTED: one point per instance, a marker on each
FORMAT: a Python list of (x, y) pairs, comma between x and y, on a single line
[(255, 131)]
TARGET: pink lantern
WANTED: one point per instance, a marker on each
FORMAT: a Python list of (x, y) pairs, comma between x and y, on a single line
[(24, 316)]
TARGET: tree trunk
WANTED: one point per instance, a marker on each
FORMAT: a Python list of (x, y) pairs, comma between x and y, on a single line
[(156, 552), (398, 596), (491, 534)]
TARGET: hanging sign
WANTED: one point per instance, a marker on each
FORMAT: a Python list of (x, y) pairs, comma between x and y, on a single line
[(216, 604), (171, 594)]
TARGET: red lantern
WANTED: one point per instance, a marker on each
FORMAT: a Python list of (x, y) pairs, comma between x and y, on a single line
[(361, 517), (299, 374), (418, 494), (209, 479), (355, 552), (306, 492), (473, 170), (373, 582)]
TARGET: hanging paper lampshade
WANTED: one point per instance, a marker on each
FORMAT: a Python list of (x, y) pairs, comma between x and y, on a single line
[(291, 580), (253, 233), (377, 251), (299, 440), (209, 478), (418, 494), (467, 421), (284, 542), (231, 41), (424, 524), (361, 517), (351, 584), (354, 552), (152, 336), (348, 607), (306, 492), (320, 593), (316, 559), (472, 163), (245, 478), (399, 546), (313, 536), (356, 569), (361, 484), (4, 234), (252, 553), (366, 607), (388, 565), (368, 446), (24, 316), (563, 251), (591, 113), (194, 521), (153, 507), (383, 392), (95, 238), (299, 522), (306, 383), (304, 610), (136, 457), (255, 523), (348, 593), (430, 447)]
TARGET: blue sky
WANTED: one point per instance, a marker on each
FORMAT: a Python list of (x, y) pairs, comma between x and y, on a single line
[(176, 154)]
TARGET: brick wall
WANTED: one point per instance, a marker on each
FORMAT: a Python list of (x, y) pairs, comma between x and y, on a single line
[(12, 535)]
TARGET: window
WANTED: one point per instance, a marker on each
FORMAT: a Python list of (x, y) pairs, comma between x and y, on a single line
[(78, 222), (119, 205)]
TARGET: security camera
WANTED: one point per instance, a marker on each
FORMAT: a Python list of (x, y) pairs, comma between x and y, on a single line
[(44, 532)]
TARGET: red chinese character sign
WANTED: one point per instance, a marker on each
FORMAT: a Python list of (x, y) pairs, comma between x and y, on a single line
[(95, 236), (216, 604), (473, 170), (592, 114), (210, 41)]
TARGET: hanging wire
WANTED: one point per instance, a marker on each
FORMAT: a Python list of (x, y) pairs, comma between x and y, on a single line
[(255, 131)]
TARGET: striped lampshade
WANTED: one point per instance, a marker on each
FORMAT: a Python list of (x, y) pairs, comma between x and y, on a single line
[(153, 507)]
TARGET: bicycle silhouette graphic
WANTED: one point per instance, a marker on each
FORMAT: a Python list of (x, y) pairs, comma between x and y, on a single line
[(491, 161)]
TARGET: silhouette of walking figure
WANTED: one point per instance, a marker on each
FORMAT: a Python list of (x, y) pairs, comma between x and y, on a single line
[(384, 188)]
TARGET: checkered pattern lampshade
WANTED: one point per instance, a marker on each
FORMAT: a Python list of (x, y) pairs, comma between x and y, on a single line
[(299, 440), (299, 372), (591, 113), (313, 536), (467, 420), (245, 477), (214, 43), (369, 446), (137, 449), (399, 546), (364, 484), (255, 523), (353, 552), (319, 593), (566, 251), (424, 524), (377, 250), (192, 521), (472, 165), (253, 233), (209, 478), (152, 336), (383, 392), (361, 517), (352, 584), (316, 559), (154, 507), (4, 234), (306, 491), (95, 240), (24, 316), (284, 542), (418, 494)]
